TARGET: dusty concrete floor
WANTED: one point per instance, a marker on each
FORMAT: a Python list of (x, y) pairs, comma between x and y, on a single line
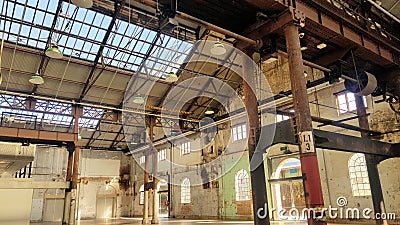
[(165, 221)]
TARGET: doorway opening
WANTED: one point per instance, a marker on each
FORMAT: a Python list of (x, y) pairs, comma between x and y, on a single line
[(163, 193), (287, 190), (106, 202)]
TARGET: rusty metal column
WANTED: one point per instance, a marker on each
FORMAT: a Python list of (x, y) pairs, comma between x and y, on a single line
[(155, 218), (308, 155), (147, 185), (67, 201), (77, 112), (258, 185), (74, 185), (372, 162)]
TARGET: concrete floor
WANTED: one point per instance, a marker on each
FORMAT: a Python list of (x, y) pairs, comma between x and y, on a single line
[(166, 221)]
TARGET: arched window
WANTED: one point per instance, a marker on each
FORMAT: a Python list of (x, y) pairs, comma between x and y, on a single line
[(185, 191), (242, 185), (359, 175), (141, 195)]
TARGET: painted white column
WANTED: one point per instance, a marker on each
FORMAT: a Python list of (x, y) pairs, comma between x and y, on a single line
[(72, 207), (67, 207), (146, 208), (156, 206)]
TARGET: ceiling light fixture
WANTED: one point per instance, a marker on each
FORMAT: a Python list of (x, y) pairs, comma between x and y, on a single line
[(209, 111), (218, 49), (171, 77), (321, 45), (305, 74), (54, 52), (303, 45), (36, 79), (138, 100), (83, 3)]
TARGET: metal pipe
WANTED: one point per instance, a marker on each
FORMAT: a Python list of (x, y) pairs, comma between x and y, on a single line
[(215, 28), (384, 11)]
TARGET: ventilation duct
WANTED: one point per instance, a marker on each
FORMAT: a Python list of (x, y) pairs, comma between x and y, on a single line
[(14, 157)]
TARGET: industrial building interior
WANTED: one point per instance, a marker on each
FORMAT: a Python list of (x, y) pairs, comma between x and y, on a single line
[(199, 112)]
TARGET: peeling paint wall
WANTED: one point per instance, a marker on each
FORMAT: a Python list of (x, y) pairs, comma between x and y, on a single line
[(50, 164)]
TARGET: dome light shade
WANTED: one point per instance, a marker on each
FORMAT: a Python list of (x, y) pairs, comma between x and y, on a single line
[(171, 77), (54, 52), (83, 3), (209, 111), (36, 79), (138, 100), (321, 45), (218, 49)]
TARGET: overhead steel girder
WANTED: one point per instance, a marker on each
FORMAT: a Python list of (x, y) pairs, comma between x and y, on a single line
[(284, 134), (320, 14)]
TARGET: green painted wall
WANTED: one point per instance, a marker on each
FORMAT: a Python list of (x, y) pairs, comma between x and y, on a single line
[(227, 187)]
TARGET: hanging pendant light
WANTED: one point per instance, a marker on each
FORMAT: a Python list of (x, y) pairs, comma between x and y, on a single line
[(171, 77), (218, 49), (138, 100), (36, 79), (83, 3), (54, 52), (321, 45), (209, 111)]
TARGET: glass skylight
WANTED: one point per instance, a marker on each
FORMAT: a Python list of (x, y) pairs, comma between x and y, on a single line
[(79, 33), (90, 117), (167, 56)]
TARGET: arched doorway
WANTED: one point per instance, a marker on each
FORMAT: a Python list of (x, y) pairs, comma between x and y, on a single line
[(287, 188), (106, 201), (163, 193)]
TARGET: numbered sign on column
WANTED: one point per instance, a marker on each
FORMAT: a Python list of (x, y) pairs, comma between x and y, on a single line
[(306, 140)]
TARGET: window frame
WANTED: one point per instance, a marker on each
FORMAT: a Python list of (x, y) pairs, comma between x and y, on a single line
[(141, 195), (239, 132), (358, 175), (185, 148), (349, 104), (242, 190), (185, 191), (142, 159), (162, 155)]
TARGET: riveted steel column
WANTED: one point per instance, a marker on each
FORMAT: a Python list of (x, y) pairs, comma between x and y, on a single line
[(154, 219), (372, 162), (147, 185), (258, 186), (308, 155), (73, 171)]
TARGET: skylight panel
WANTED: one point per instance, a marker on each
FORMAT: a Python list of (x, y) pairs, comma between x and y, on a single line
[(31, 14), (90, 117), (87, 25), (128, 45), (167, 56)]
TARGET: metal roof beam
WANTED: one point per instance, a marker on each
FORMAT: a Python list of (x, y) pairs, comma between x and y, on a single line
[(118, 5)]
